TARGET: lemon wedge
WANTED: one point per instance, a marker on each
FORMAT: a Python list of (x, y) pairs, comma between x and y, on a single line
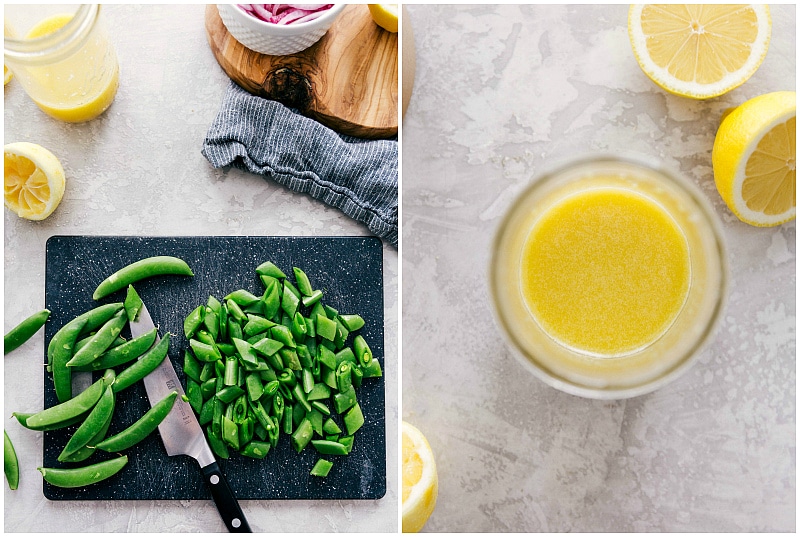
[(385, 16), (699, 51), (420, 480), (754, 159), (34, 180)]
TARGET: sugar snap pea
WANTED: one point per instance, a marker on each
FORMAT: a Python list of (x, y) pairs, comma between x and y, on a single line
[(69, 409), (139, 270), (122, 354), (24, 331), (273, 369), (60, 349), (22, 418), (10, 462), (329, 447), (85, 475), (97, 418), (143, 366), (86, 451), (321, 468), (101, 341), (133, 304), (140, 429)]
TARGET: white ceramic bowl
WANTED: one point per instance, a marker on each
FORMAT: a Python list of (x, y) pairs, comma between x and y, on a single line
[(275, 39)]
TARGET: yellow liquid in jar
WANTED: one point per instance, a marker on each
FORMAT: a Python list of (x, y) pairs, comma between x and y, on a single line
[(72, 99), (605, 271)]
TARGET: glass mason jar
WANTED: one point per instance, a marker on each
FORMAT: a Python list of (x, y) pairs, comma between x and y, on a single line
[(65, 62), (608, 275)]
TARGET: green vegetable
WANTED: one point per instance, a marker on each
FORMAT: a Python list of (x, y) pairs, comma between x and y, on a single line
[(121, 354), (100, 342), (60, 348), (144, 268), (100, 415), (24, 331), (10, 462), (133, 304), (143, 366), (67, 410), (321, 468), (280, 364), (83, 476), (140, 429)]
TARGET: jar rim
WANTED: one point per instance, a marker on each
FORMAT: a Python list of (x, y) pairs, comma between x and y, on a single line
[(56, 45), (534, 364)]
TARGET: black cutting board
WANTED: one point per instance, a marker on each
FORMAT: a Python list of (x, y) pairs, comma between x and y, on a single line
[(350, 272)]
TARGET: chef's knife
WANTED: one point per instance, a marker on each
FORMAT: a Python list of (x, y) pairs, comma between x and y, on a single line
[(182, 435)]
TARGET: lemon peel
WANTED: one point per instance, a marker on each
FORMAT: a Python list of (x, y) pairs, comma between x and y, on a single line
[(385, 16), (420, 480), (754, 159), (699, 51), (34, 180)]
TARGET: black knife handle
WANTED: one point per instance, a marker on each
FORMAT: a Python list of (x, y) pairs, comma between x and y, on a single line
[(226, 502)]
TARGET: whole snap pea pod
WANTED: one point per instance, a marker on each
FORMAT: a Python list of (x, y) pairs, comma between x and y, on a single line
[(86, 451), (93, 319), (101, 341), (97, 418), (141, 428), (122, 354), (144, 268), (60, 349), (24, 330), (83, 476), (22, 418), (143, 366), (10, 462), (69, 409)]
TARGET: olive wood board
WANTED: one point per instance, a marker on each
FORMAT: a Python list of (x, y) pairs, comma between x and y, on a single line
[(348, 80), (349, 270)]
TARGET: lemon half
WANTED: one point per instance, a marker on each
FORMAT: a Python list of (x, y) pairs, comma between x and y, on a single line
[(699, 51), (420, 480), (385, 16), (754, 159), (33, 182)]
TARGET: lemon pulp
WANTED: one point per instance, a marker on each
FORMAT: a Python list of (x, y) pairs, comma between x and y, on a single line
[(605, 271)]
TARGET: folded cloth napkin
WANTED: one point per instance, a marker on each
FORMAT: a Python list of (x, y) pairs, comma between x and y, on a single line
[(357, 176)]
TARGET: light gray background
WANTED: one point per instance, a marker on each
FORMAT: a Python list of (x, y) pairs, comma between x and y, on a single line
[(501, 92), (137, 170)]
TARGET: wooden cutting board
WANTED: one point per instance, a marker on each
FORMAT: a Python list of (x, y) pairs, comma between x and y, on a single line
[(347, 81)]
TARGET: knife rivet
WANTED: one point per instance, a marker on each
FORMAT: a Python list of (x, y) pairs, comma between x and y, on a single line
[(236, 522), (214, 479)]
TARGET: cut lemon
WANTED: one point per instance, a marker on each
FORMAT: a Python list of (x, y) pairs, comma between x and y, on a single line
[(754, 159), (34, 180), (385, 16), (699, 51), (420, 481), (7, 32)]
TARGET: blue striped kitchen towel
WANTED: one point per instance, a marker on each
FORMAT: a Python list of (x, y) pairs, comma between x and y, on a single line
[(264, 137)]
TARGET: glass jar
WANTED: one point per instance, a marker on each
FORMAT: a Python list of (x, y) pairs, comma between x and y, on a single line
[(65, 62), (608, 275)]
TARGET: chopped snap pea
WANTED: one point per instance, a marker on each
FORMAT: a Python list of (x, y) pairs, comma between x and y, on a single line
[(321, 468), (282, 363)]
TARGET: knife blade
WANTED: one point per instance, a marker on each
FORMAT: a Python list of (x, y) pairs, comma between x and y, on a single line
[(182, 435)]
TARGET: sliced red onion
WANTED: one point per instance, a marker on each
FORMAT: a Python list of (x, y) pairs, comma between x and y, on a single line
[(285, 13)]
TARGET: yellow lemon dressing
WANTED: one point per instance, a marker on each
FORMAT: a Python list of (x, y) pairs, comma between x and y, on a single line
[(71, 99), (605, 271)]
